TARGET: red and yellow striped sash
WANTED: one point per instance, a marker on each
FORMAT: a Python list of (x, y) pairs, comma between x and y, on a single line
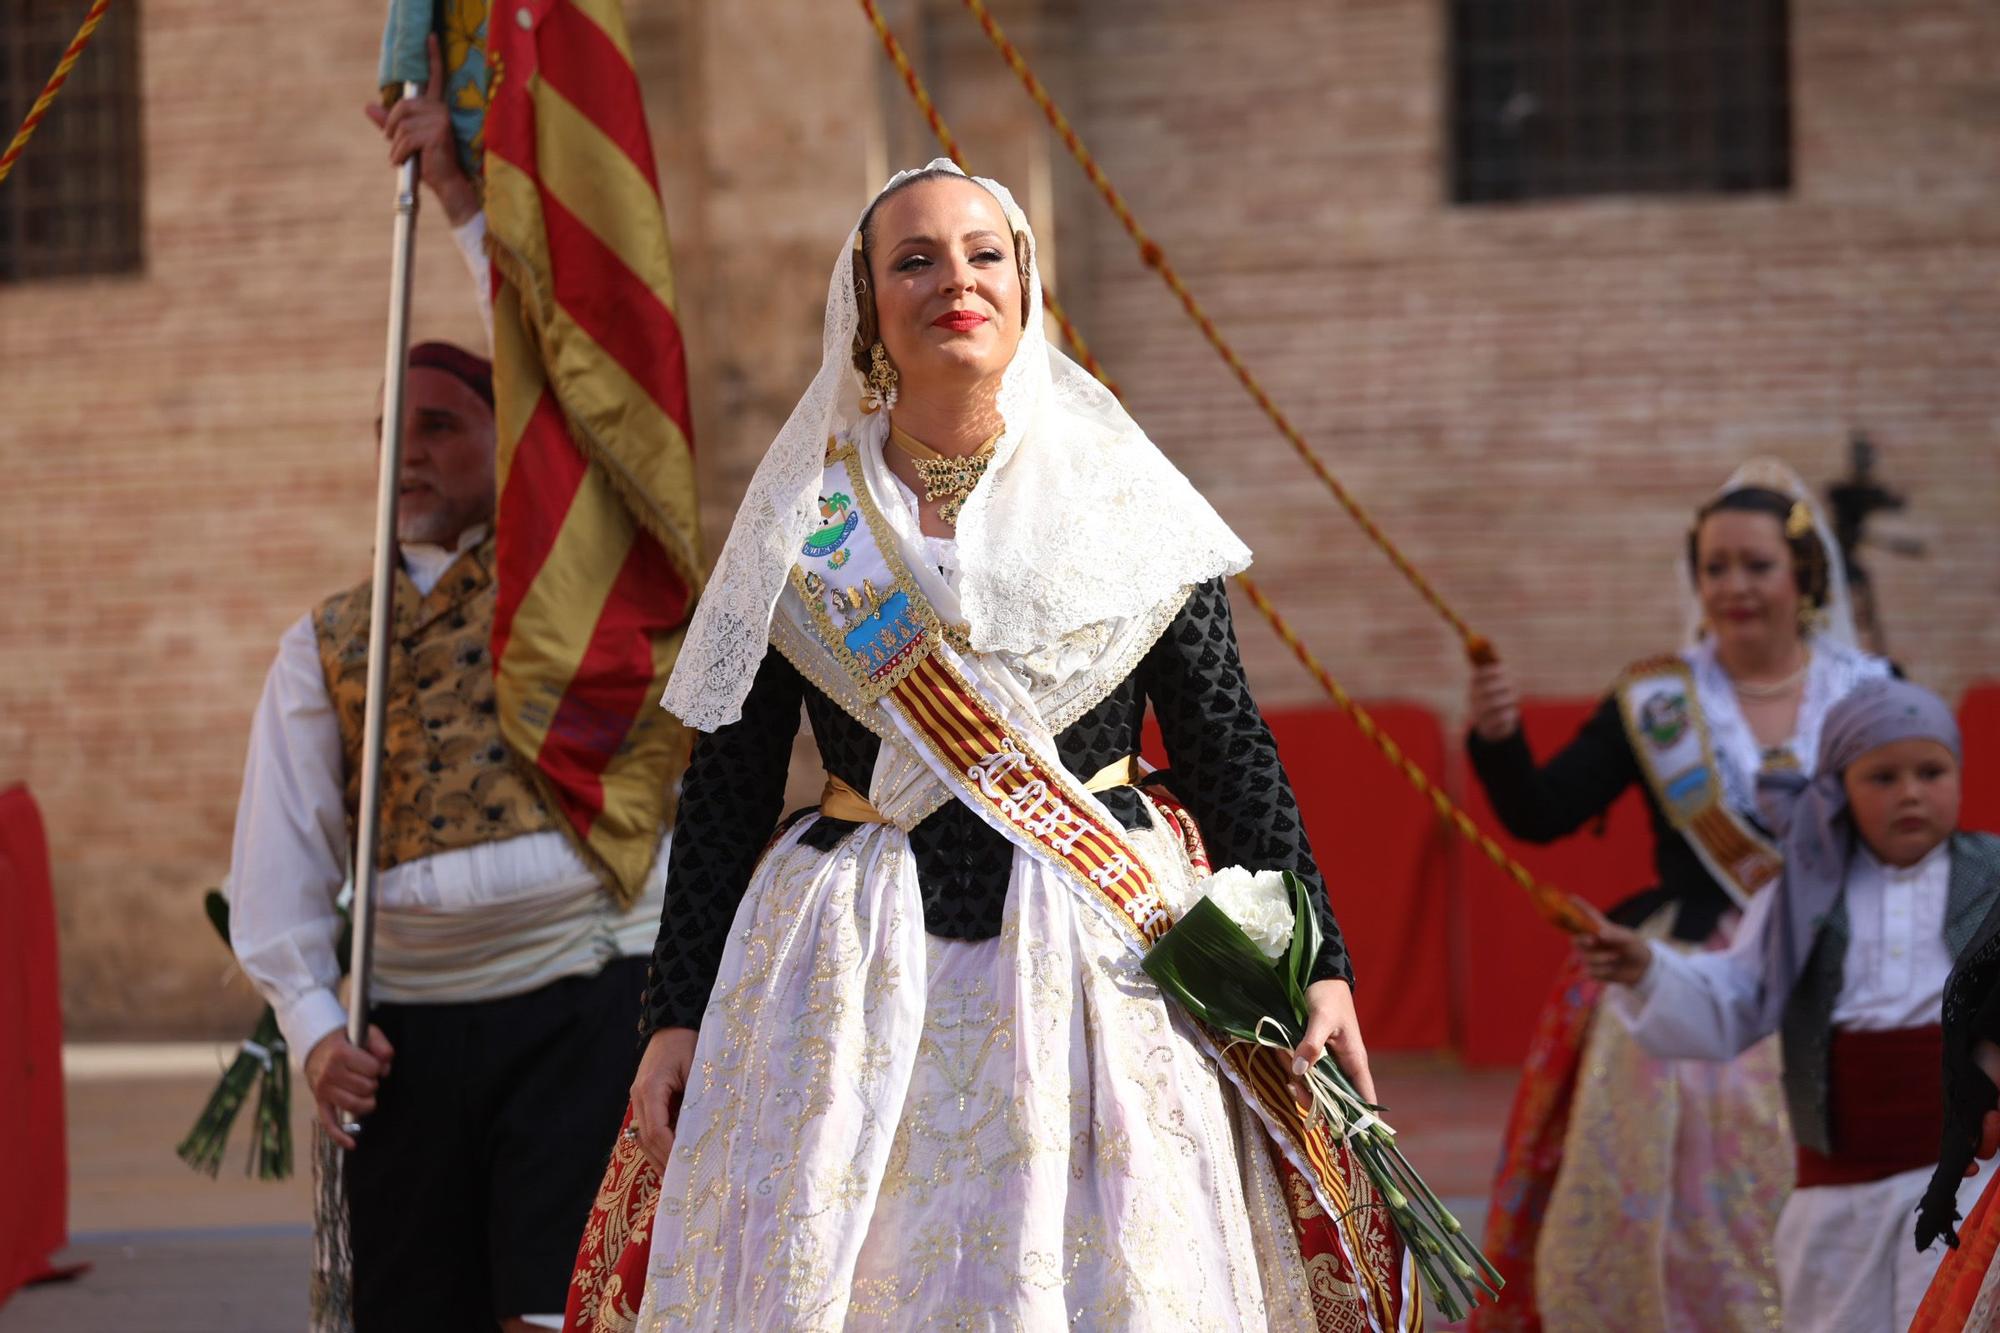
[(1669, 736), (1009, 781), (858, 600), (1041, 806)]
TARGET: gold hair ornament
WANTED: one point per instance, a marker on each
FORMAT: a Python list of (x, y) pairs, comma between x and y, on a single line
[(1800, 521)]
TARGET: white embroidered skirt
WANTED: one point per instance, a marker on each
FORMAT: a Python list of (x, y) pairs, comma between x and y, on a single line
[(886, 1129)]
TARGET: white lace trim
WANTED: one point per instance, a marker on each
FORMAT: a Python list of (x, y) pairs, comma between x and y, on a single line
[(1056, 685), (1079, 522), (1065, 678), (941, 553), (1835, 669)]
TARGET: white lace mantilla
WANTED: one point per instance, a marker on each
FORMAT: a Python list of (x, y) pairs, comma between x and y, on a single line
[(1078, 520), (1837, 614), (1833, 671), (1056, 683)]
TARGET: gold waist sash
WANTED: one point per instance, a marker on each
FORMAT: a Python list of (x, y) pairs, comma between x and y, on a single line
[(838, 800)]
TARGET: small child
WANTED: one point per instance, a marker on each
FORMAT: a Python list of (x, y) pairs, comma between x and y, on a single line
[(1846, 956)]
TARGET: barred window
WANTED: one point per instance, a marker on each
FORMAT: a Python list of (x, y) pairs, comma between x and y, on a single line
[(71, 206), (1555, 98)]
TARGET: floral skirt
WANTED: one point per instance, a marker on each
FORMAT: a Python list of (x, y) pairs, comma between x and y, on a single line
[(1673, 1176), (1636, 1193), (886, 1129)]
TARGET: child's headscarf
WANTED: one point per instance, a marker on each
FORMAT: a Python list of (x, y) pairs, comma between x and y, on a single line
[(1810, 818)]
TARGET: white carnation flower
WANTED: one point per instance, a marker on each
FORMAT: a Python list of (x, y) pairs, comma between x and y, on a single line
[(1259, 903)]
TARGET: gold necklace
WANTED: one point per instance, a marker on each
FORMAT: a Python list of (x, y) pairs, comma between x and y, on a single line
[(945, 478)]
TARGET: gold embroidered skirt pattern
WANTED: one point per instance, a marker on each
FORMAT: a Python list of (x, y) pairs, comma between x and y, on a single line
[(886, 1129)]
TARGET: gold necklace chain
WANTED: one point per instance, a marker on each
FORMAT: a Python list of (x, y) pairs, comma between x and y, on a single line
[(945, 478)]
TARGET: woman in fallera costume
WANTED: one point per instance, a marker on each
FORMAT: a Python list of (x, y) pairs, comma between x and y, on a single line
[(904, 1068), (1637, 1193)]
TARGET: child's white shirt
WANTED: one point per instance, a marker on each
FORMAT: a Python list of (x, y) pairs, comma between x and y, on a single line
[(1704, 1006)]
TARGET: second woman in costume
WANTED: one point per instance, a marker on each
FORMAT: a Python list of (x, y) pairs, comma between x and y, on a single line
[(1638, 1193)]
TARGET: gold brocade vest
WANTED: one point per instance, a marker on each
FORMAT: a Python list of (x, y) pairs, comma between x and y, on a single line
[(448, 780)]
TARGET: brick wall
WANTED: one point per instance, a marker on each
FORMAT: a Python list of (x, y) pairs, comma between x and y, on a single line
[(1532, 399), (189, 453)]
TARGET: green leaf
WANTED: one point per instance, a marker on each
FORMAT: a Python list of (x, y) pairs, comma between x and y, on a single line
[(1210, 965), (1305, 941), (271, 1142)]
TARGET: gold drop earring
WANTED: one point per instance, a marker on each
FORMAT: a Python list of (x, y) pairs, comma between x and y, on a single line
[(880, 390)]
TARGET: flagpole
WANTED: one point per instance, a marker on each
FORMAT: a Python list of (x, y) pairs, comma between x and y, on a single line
[(381, 604)]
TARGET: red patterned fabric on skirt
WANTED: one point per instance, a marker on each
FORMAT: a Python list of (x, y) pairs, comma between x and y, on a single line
[(1531, 1154), (1353, 1287), (610, 1275), (1633, 1192), (1340, 1294), (1337, 1288)]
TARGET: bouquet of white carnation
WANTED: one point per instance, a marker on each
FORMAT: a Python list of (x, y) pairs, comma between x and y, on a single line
[(1239, 959)]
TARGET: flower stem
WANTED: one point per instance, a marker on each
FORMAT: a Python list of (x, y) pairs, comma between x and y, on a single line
[(1449, 1263)]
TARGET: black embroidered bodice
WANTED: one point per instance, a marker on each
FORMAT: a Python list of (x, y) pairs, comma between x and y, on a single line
[(1224, 769)]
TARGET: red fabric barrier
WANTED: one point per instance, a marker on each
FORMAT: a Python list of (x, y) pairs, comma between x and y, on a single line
[(1979, 720), (1386, 861), (1506, 955), (34, 1168)]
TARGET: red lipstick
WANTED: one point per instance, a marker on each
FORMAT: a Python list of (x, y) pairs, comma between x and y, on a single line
[(959, 321)]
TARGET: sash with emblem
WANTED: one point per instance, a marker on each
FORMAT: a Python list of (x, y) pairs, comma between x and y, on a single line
[(1670, 740), (863, 625)]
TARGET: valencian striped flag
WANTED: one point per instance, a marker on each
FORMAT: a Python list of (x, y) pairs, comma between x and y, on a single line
[(599, 544)]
